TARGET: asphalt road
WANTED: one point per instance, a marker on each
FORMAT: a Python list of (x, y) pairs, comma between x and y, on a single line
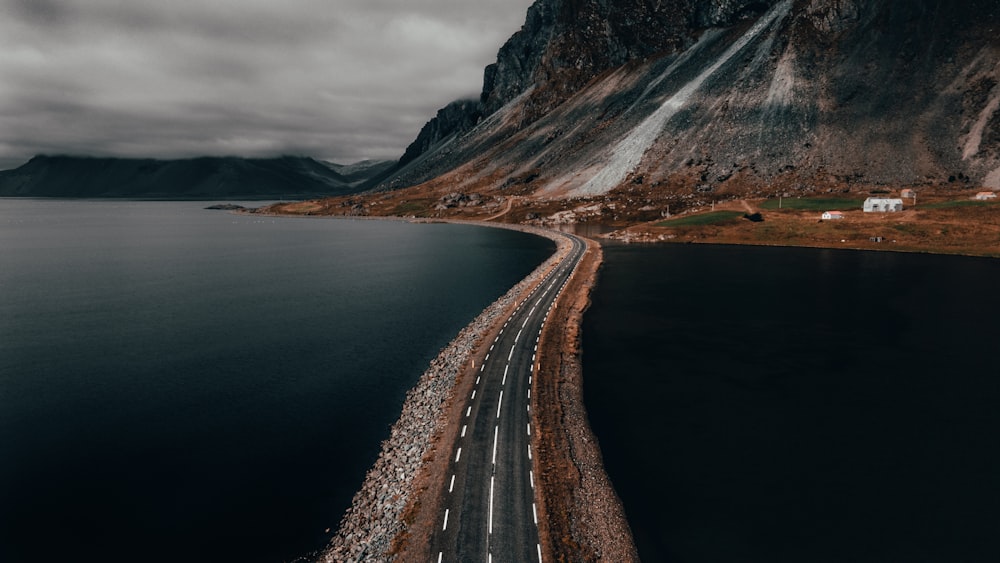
[(490, 512)]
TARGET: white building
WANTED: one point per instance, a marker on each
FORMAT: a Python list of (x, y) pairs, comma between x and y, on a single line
[(983, 196), (883, 205), (832, 215)]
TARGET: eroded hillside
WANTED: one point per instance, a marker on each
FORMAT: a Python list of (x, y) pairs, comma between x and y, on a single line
[(728, 98)]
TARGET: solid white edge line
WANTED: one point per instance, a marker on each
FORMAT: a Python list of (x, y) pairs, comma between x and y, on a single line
[(539, 552), (511, 355)]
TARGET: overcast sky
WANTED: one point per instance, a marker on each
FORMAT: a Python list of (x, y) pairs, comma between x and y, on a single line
[(341, 80)]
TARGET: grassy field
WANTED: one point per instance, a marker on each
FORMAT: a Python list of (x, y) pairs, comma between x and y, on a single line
[(959, 203), (814, 204), (713, 218)]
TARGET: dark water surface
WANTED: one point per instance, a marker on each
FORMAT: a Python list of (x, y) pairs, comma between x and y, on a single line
[(796, 405), (187, 385)]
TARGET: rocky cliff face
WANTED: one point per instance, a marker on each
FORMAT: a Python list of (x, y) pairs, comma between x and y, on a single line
[(566, 43), (737, 96), (455, 118)]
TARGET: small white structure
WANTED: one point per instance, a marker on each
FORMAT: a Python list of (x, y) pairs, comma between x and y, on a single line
[(908, 192), (832, 215), (883, 205), (983, 196)]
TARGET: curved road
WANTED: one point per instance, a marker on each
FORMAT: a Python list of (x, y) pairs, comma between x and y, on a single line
[(490, 513)]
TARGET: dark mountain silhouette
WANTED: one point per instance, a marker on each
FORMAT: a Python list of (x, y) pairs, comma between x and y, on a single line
[(209, 177)]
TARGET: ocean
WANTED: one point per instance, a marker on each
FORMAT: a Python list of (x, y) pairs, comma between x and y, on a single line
[(178, 384), (792, 405)]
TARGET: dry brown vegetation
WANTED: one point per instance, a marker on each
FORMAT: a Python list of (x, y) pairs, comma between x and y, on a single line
[(938, 224), (945, 219)]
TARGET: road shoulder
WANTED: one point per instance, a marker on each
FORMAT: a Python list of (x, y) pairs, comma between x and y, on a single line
[(583, 518)]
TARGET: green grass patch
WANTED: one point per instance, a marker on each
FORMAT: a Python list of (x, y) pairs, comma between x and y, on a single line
[(958, 203), (712, 218), (814, 204)]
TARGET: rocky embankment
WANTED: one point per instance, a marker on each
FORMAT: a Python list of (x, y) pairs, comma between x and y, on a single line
[(375, 517)]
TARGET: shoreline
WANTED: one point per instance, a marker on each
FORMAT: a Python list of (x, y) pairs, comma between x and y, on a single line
[(391, 515), (585, 519)]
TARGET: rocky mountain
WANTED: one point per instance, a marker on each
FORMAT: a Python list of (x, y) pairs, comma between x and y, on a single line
[(729, 97), (209, 177), (360, 172)]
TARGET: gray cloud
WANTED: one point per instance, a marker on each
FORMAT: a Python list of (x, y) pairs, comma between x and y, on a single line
[(341, 80)]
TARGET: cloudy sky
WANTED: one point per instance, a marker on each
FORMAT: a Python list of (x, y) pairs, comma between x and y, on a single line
[(336, 79)]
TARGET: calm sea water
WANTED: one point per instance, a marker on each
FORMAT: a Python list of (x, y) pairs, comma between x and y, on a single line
[(793, 405), (187, 385)]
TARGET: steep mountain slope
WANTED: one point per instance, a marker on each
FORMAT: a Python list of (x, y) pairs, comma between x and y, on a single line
[(68, 176), (732, 97), (359, 173)]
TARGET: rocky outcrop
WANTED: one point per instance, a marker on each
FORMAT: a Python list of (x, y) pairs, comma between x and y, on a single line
[(456, 117), (833, 16), (566, 43)]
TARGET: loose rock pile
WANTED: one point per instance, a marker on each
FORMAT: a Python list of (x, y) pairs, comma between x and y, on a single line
[(375, 516), (456, 199)]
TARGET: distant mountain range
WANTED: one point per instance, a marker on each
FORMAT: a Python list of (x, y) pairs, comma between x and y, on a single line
[(726, 96), (202, 178)]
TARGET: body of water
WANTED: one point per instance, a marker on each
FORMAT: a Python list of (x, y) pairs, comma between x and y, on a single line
[(798, 405), (179, 384)]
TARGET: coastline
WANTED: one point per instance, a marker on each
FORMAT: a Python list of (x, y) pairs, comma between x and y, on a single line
[(585, 519), (393, 513)]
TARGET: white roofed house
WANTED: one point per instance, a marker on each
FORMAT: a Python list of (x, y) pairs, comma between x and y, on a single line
[(832, 215), (983, 196), (883, 205)]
